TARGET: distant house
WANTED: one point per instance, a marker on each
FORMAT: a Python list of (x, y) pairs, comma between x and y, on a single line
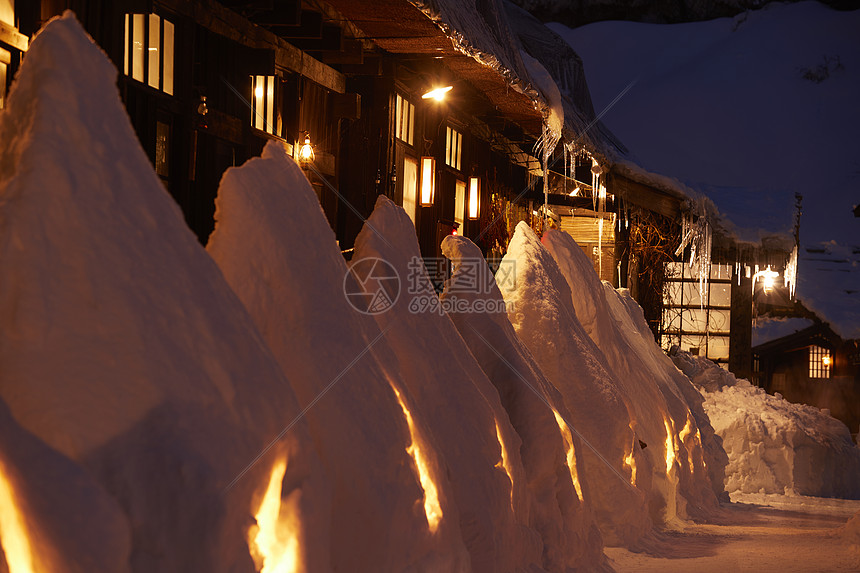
[(813, 366)]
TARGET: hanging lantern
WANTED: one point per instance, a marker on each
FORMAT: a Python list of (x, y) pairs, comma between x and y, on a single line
[(768, 279), (474, 197), (428, 180), (306, 151)]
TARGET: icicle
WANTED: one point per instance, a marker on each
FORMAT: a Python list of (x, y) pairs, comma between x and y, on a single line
[(790, 279)]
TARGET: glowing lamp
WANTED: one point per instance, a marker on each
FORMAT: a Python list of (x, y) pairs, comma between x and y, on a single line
[(574, 193), (768, 279), (826, 360), (306, 151), (474, 197), (437, 93), (428, 180)]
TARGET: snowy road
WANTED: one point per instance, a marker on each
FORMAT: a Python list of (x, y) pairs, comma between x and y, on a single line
[(787, 535)]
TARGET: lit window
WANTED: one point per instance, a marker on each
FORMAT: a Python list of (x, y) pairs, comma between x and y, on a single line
[(265, 114), (820, 362), (404, 120), (453, 148), (460, 204), (148, 55), (410, 186)]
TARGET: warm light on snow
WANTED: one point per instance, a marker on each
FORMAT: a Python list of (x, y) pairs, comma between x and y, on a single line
[(275, 543), (670, 446), (431, 495), (571, 452), (505, 462), (13, 536)]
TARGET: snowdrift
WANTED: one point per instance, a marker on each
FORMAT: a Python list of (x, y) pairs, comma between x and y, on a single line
[(466, 423), (670, 421), (540, 309), (124, 350), (277, 251), (43, 496), (774, 446), (560, 513)]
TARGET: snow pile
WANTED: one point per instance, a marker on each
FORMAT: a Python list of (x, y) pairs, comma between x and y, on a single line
[(43, 496), (123, 349), (774, 446), (466, 423), (746, 153), (277, 251), (851, 535), (540, 309), (537, 411), (665, 408)]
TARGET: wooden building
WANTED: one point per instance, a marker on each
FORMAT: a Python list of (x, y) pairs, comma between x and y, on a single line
[(207, 83), (813, 366)]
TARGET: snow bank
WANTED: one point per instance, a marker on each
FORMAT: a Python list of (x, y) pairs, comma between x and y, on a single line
[(774, 446), (43, 497), (540, 309), (850, 532), (670, 421), (536, 409), (122, 347), (277, 251), (466, 423)]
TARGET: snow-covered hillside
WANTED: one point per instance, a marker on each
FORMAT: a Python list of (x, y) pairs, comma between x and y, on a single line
[(749, 110)]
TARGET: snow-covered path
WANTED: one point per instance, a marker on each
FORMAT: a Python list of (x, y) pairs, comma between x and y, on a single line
[(790, 534)]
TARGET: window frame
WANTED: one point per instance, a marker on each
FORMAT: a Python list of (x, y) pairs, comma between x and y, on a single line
[(163, 61)]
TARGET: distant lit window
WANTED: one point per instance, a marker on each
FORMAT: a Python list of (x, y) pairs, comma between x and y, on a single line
[(453, 148), (162, 149), (820, 362), (148, 56), (265, 110), (404, 120)]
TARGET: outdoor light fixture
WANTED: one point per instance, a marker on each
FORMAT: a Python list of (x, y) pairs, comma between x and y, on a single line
[(826, 360), (437, 93), (306, 151), (202, 108), (428, 180), (574, 193), (768, 279), (474, 197)]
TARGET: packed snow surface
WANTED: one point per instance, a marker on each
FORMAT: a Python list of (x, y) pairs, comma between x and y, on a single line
[(749, 110), (666, 409), (123, 350), (774, 446), (290, 277), (551, 453), (467, 425)]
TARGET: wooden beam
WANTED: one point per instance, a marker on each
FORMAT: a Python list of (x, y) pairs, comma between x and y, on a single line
[(11, 36), (352, 53), (371, 66), (310, 26), (331, 40)]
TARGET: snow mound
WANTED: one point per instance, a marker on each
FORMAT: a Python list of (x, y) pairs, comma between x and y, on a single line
[(540, 309), (466, 425), (277, 251), (122, 347), (774, 446), (535, 407), (663, 414), (47, 494)]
